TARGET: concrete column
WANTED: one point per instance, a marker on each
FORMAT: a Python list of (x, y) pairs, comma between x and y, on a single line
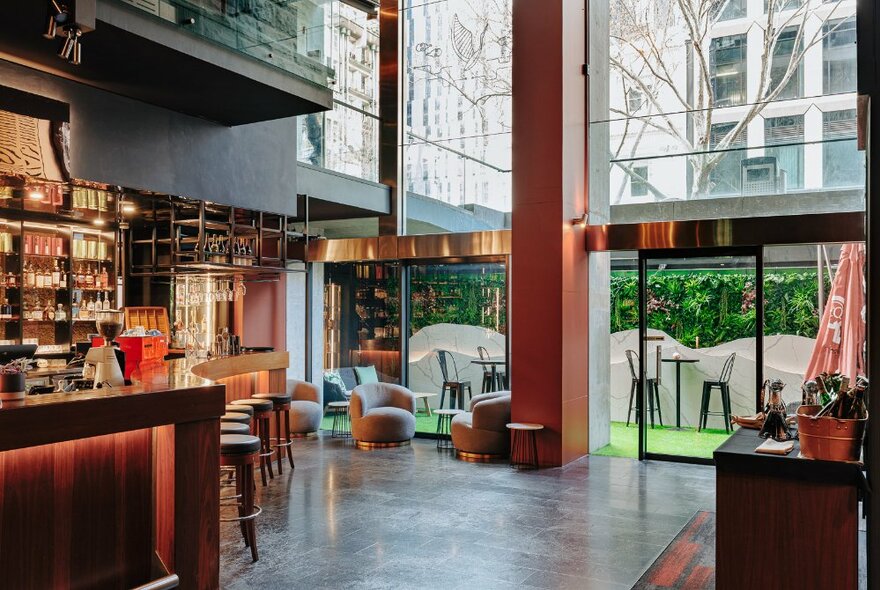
[(296, 324), (549, 319), (599, 187)]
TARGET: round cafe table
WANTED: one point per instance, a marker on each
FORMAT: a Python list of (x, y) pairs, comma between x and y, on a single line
[(493, 366), (678, 362)]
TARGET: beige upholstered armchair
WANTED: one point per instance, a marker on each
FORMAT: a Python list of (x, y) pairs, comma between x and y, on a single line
[(482, 433), (382, 414), (306, 410)]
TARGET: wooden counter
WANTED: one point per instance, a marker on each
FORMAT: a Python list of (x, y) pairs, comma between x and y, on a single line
[(784, 521), (109, 488)]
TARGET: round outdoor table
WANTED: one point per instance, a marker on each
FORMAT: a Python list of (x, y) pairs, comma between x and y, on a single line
[(444, 427), (493, 366), (524, 445), (341, 420), (678, 363)]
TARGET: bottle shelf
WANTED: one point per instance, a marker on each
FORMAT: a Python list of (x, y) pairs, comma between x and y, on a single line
[(14, 318), (47, 256)]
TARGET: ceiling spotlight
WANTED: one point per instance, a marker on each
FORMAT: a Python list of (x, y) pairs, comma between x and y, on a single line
[(36, 195), (58, 15), (128, 208), (71, 50), (98, 221)]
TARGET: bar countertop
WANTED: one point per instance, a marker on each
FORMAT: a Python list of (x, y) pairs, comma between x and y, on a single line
[(737, 454), (166, 393)]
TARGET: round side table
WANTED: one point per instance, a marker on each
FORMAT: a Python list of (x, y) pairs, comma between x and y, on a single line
[(341, 420), (444, 427), (524, 445)]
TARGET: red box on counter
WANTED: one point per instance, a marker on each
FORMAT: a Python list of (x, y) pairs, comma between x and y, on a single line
[(141, 349)]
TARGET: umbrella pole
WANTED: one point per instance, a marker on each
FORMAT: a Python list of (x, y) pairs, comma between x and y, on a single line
[(820, 273)]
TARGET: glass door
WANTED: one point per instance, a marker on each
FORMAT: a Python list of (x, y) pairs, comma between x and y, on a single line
[(700, 348)]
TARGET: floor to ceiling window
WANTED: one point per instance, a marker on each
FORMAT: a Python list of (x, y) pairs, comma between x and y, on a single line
[(457, 67)]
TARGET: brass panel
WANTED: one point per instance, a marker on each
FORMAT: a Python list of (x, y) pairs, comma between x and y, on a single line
[(367, 446), (388, 247), (390, 138), (746, 231), (343, 250), (465, 245)]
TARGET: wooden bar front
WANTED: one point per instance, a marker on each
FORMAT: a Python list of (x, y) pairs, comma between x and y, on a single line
[(112, 488), (782, 521)]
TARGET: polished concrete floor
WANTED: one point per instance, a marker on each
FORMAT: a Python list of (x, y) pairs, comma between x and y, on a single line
[(415, 518)]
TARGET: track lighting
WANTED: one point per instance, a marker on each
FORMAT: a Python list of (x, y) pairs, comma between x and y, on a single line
[(71, 49), (58, 15)]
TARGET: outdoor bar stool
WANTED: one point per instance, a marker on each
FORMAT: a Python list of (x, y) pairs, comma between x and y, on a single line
[(240, 451), (240, 408), (262, 413), (281, 407), (456, 386), (653, 391), (490, 385), (722, 384)]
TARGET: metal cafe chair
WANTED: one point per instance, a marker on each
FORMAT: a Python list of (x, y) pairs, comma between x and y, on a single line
[(653, 391), (500, 377), (456, 385), (723, 386)]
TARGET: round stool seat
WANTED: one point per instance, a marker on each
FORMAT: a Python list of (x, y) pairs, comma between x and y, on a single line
[(235, 417), (238, 444), (276, 398), (234, 428), (240, 408), (258, 405)]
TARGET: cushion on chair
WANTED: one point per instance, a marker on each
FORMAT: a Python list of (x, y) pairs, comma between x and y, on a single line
[(305, 416), (240, 408), (303, 391), (385, 425), (237, 444), (335, 389), (484, 396), (382, 412), (366, 375), (473, 440)]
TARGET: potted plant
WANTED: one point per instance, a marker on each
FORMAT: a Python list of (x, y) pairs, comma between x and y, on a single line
[(12, 379)]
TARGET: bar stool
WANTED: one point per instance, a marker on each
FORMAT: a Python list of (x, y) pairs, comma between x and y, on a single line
[(240, 451), (281, 403), (234, 428), (239, 417), (262, 413), (241, 409)]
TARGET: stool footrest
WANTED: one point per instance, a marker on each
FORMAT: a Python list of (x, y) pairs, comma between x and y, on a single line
[(257, 511)]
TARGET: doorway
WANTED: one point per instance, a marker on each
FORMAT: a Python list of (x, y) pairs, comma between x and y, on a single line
[(700, 349)]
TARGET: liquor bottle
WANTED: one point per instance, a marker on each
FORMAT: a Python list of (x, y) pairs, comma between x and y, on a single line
[(30, 278), (2, 280), (62, 279), (10, 280), (105, 279), (37, 312), (56, 276), (50, 312), (90, 279), (90, 306), (58, 245), (99, 305), (60, 314), (80, 277), (5, 309), (25, 310), (106, 305), (74, 310)]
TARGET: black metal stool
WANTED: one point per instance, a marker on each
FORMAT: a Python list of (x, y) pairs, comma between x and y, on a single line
[(444, 427), (240, 452), (341, 420), (281, 407), (262, 413)]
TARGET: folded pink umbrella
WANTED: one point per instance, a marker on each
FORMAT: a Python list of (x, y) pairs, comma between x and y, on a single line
[(840, 345)]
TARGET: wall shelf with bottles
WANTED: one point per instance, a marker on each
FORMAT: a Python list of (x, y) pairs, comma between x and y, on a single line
[(40, 266), (173, 234)]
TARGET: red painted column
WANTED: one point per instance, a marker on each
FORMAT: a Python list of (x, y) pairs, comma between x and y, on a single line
[(264, 314), (549, 311)]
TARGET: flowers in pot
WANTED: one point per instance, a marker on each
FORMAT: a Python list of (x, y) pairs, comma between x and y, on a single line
[(12, 379)]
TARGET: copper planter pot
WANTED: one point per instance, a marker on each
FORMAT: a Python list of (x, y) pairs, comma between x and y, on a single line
[(829, 439), (12, 386)]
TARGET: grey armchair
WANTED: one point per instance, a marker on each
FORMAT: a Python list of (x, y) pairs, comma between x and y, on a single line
[(482, 433), (306, 410), (382, 414)]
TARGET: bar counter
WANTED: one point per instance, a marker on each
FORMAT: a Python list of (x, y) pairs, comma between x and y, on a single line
[(784, 521), (112, 488)]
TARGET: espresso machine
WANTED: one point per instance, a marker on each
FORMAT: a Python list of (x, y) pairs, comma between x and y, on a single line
[(103, 358)]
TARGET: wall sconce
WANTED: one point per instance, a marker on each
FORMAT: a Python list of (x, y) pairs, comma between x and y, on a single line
[(71, 50), (582, 220)]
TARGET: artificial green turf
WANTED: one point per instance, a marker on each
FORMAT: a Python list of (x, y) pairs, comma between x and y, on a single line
[(687, 442)]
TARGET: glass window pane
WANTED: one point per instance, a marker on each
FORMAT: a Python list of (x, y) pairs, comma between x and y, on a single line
[(455, 310)]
